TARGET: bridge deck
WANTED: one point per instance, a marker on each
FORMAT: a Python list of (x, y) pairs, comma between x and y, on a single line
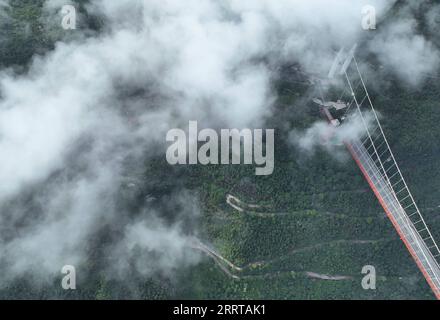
[(406, 228)]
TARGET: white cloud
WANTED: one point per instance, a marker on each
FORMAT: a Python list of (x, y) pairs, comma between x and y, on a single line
[(68, 126), (410, 55)]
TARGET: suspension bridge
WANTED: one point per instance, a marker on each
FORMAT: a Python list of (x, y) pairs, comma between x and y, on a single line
[(372, 153)]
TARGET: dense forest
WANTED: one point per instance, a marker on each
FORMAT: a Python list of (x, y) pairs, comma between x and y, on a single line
[(313, 214)]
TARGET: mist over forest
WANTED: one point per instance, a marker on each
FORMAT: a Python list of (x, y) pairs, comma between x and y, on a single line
[(84, 115)]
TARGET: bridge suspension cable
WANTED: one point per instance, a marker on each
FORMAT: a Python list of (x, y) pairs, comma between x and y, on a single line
[(376, 160)]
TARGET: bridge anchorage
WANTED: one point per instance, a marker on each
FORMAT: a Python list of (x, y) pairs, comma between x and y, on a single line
[(372, 153)]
